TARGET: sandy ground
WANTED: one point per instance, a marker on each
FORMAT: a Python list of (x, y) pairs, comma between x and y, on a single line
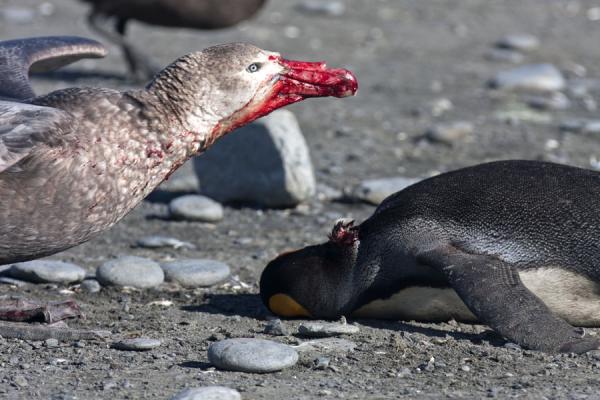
[(407, 55)]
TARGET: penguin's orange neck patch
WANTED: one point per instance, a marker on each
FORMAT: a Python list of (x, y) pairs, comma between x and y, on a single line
[(283, 305)]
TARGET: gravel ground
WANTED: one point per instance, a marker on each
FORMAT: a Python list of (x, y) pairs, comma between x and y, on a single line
[(412, 59)]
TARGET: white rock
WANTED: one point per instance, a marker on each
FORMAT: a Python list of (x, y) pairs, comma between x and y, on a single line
[(374, 191), (208, 393), (193, 207), (265, 163), (537, 77)]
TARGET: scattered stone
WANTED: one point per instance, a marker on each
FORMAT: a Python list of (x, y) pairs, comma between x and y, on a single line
[(504, 55), (449, 133), (327, 345), (512, 346), (321, 363), (157, 242), (52, 342), (130, 271), (137, 344), (193, 207), (90, 286), (519, 41), (276, 173), (536, 77), (196, 273), (440, 106), (251, 355), (326, 329), (208, 393), (322, 7), (374, 191), (465, 368), (47, 271), (556, 101), (516, 115), (20, 381), (276, 328)]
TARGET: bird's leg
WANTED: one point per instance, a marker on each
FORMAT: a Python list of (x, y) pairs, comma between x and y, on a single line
[(140, 66), (21, 309)]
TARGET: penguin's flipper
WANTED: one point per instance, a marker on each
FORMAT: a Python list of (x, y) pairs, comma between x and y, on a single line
[(493, 291)]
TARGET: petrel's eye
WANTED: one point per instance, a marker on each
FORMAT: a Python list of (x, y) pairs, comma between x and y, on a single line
[(253, 67)]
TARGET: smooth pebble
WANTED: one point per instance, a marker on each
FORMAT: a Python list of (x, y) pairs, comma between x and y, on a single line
[(130, 271), (137, 344), (536, 77), (374, 191), (322, 7), (251, 355), (208, 393), (157, 242), (47, 271), (90, 286), (196, 273), (194, 207), (450, 132), (519, 41)]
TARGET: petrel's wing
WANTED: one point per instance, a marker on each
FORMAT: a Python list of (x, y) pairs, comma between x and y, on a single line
[(25, 126), (39, 54)]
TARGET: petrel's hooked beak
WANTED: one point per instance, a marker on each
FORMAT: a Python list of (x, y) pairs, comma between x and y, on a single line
[(314, 79)]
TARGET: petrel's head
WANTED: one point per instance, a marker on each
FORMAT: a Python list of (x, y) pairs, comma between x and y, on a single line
[(234, 84)]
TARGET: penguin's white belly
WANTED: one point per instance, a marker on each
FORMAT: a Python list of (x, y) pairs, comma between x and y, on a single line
[(569, 295)]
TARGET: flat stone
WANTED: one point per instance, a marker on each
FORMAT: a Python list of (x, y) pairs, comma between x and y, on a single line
[(193, 207), (11, 281), (449, 133), (208, 393), (326, 329), (157, 242), (327, 345), (130, 271), (535, 77), (196, 273), (251, 355), (504, 55), (277, 172), (137, 344), (322, 7), (374, 191), (519, 41), (47, 271), (90, 286)]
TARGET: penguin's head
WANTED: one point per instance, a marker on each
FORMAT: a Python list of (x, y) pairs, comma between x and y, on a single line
[(313, 282)]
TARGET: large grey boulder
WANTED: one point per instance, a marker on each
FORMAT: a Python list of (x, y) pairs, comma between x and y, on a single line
[(265, 163)]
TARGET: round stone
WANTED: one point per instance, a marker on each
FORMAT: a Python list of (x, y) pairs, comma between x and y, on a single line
[(326, 329), (196, 208), (251, 355), (137, 344), (90, 286), (47, 271), (536, 77), (196, 273), (519, 41), (130, 271), (208, 393), (374, 191)]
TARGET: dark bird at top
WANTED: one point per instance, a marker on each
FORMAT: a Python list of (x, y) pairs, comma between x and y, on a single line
[(512, 244), (75, 161), (195, 14)]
